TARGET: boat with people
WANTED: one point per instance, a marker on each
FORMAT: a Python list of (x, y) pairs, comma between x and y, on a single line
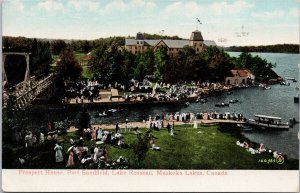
[(234, 101), (201, 100), (108, 112), (103, 114), (285, 83), (267, 122), (222, 105), (244, 127), (186, 104)]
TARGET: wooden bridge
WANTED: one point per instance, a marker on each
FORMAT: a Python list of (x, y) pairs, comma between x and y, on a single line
[(27, 90)]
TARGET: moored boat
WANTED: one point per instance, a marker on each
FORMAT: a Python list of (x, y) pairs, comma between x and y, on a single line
[(267, 122), (244, 127)]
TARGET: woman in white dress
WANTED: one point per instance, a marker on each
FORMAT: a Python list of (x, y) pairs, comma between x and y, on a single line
[(58, 153), (99, 134)]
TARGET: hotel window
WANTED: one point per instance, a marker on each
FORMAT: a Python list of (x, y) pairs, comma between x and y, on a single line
[(135, 47), (197, 49)]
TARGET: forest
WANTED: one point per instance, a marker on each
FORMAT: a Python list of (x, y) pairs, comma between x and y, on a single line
[(278, 48), (109, 63)]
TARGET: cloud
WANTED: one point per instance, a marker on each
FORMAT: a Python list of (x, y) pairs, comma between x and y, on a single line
[(224, 7), (18, 5), (188, 8), (120, 5), (79, 5), (142, 3), (269, 14), (116, 5), (51, 5)]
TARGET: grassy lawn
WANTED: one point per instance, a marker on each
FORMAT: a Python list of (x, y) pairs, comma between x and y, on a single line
[(189, 148), (86, 72), (79, 55)]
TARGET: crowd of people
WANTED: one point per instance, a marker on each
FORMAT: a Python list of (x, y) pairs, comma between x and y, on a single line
[(145, 90), (81, 152)]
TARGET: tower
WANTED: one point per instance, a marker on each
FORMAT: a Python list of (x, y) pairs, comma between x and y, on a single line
[(196, 41)]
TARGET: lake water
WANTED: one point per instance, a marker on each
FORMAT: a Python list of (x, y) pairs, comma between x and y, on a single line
[(278, 101)]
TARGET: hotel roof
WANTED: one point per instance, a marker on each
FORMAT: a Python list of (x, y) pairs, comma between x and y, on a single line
[(169, 43)]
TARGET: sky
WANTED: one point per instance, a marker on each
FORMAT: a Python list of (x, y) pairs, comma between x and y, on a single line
[(227, 22)]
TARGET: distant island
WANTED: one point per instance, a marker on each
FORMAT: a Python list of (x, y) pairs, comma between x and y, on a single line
[(278, 48)]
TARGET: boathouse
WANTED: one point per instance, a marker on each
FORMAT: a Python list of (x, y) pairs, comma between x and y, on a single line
[(238, 77)]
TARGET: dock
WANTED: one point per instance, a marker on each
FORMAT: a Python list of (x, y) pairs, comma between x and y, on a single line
[(143, 124)]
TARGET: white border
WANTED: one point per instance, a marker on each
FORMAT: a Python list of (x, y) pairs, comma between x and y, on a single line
[(234, 181)]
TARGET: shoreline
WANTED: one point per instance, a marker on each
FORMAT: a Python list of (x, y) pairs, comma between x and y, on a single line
[(142, 124)]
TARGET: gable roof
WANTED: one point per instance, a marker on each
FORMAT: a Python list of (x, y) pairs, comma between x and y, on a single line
[(240, 73), (162, 42), (169, 43)]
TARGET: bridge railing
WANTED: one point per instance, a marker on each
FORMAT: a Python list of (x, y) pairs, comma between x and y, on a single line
[(26, 92)]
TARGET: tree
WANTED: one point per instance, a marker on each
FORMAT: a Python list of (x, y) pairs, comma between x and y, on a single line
[(99, 63), (41, 58), (126, 71), (83, 121), (141, 148), (107, 64), (161, 58), (67, 66), (57, 46), (261, 68)]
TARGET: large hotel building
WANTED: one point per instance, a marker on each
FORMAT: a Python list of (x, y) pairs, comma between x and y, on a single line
[(140, 45)]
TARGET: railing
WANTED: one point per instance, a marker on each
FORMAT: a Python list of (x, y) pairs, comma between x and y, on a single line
[(26, 92)]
